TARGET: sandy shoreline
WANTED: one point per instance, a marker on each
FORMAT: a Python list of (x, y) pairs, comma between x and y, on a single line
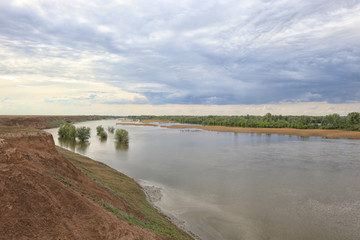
[(154, 195)]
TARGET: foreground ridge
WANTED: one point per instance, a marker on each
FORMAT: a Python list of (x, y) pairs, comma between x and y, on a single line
[(45, 196)]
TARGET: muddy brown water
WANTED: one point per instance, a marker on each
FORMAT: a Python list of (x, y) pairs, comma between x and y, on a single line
[(241, 186)]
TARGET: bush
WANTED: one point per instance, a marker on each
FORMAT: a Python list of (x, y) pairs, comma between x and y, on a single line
[(99, 129), (67, 130), (122, 136), (111, 129), (103, 135), (83, 133)]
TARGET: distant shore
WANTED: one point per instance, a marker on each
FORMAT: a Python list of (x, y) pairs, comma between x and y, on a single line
[(326, 133)]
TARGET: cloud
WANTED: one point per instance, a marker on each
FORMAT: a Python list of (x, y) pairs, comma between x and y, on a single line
[(188, 52), (33, 91), (307, 97)]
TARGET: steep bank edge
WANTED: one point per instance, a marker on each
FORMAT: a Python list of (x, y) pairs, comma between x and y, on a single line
[(44, 196)]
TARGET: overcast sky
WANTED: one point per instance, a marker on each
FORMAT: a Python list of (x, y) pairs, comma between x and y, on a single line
[(179, 57)]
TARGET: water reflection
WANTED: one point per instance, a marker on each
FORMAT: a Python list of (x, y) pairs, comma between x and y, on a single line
[(121, 146), (243, 186), (80, 147)]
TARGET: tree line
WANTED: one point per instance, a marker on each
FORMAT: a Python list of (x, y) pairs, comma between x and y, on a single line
[(331, 121)]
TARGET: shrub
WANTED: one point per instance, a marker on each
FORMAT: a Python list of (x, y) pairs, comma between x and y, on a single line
[(99, 129), (122, 135), (111, 129), (83, 133), (103, 135), (67, 130)]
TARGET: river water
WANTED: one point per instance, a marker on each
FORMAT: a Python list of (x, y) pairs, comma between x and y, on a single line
[(241, 186)]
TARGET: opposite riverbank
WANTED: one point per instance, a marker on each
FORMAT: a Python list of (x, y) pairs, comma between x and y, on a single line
[(325, 133)]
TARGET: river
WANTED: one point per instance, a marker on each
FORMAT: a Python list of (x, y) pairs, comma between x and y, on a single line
[(241, 186)]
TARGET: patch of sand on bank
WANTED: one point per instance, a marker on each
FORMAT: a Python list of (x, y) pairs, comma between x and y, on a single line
[(155, 195)]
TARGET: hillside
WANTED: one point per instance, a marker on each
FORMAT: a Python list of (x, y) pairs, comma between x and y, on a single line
[(51, 193)]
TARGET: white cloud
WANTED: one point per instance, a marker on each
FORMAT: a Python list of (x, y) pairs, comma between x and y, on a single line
[(147, 87), (9, 78), (29, 93), (166, 52)]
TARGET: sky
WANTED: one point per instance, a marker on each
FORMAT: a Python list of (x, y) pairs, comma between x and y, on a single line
[(225, 57)]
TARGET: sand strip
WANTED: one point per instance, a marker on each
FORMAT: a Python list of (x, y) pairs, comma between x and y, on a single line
[(154, 195)]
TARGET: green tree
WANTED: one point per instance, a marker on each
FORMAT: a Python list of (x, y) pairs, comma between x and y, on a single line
[(267, 117), (103, 135), (353, 120), (331, 121), (67, 130), (122, 136), (111, 129), (99, 129), (83, 133)]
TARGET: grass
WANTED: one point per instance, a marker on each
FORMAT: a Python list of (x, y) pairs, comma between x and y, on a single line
[(63, 180), (55, 123), (138, 210)]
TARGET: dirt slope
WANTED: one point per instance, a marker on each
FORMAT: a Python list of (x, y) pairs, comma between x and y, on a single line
[(44, 196)]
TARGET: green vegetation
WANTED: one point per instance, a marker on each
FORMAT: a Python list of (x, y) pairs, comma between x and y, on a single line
[(138, 210), (332, 121), (55, 123), (103, 135), (101, 132), (83, 133), (67, 131), (63, 180), (99, 129), (111, 129), (122, 136)]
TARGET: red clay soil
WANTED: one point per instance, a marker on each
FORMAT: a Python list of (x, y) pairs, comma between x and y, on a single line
[(34, 204)]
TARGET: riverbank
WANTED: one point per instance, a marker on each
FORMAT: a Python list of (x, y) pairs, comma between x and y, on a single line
[(325, 133), (154, 195), (52, 193)]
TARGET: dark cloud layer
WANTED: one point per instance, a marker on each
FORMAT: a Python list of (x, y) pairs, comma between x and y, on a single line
[(191, 52)]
